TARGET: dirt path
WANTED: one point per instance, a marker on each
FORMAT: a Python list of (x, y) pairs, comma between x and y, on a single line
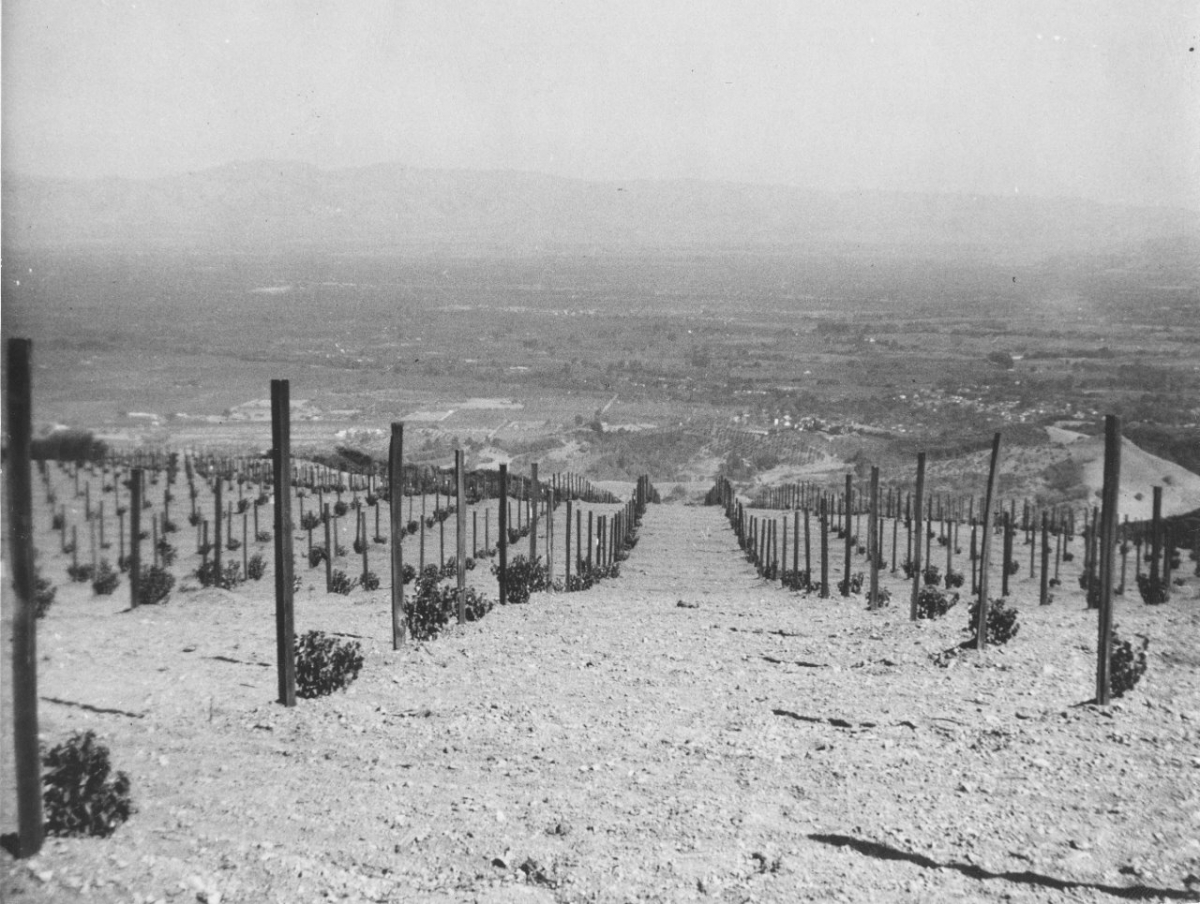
[(615, 746)]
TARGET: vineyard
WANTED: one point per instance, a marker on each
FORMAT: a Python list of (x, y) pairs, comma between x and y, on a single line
[(524, 687)]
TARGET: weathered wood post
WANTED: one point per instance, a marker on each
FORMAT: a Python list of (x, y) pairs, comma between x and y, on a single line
[(218, 517), (1155, 535), (846, 526), (917, 534), (535, 498), (1044, 597), (26, 756), (1108, 532), (503, 529), (396, 531), (986, 549), (327, 522), (824, 547), (873, 542), (567, 551), (460, 532), (135, 537), (281, 455)]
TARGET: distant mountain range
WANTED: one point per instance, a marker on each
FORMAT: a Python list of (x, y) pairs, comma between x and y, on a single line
[(268, 205)]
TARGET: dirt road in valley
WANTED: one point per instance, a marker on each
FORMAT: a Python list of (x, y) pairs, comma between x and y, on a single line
[(615, 745)]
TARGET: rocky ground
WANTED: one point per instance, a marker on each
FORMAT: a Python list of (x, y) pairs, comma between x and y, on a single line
[(685, 733)]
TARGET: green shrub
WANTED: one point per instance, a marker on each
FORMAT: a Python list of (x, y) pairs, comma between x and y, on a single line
[(1127, 665), (934, 603), (856, 583), (1154, 592), (1001, 623), (106, 579), (369, 580), (325, 664), (932, 575), (256, 567), (340, 582), (43, 595), (154, 585), (80, 794), (954, 579), (524, 578), (81, 573)]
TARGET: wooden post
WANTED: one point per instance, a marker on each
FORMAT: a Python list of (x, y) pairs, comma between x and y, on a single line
[(396, 514), (1006, 527), (460, 532), (824, 547), (1044, 598), (873, 542), (847, 521), (535, 497), (281, 454), (26, 757), (135, 537), (503, 528), (567, 551), (1108, 533), (986, 549), (1155, 535), (918, 577), (327, 522)]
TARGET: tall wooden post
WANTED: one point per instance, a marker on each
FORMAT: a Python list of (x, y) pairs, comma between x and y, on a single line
[(396, 516), (135, 537), (503, 528), (918, 529), (986, 549), (281, 454), (846, 525), (1108, 539), (535, 498), (218, 517), (327, 522), (460, 531), (26, 757), (873, 541), (1044, 598)]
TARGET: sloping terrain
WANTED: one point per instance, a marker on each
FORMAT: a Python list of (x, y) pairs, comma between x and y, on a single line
[(687, 732)]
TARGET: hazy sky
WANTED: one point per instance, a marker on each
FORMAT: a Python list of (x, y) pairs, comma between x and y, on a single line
[(1093, 99)]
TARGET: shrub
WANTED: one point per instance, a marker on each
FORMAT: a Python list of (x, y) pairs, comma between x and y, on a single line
[(908, 568), (80, 794), (256, 567), (954, 579), (80, 573), (412, 527), (154, 586), (797, 580), (325, 664), (931, 575), (340, 508), (233, 544), (43, 595), (340, 582), (1154, 592), (524, 578), (426, 611), (310, 521), (194, 519), (934, 603), (167, 553), (263, 536), (408, 574), (106, 579), (1127, 665), (1013, 566), (57, 521), (359, 545), (369, 580), (316, 556), (1001, 623), (856, 583)]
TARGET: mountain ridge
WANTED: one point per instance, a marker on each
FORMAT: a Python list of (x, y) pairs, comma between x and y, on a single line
[(272, 205)]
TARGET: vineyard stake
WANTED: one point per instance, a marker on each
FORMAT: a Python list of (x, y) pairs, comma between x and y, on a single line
[(325, 517), (986, 549), (26, 756), (917, 530), (135, 536), (503, 530), (1044, 597), (460, 533), (846, 522), (1108, 531), (535, 498), (281, 455), (218, 517), (395, 510), (824, 547), (567, 556), (873, 526), (1155, 535)]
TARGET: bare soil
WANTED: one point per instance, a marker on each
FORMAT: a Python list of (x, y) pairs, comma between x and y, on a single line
[(687, 732)]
